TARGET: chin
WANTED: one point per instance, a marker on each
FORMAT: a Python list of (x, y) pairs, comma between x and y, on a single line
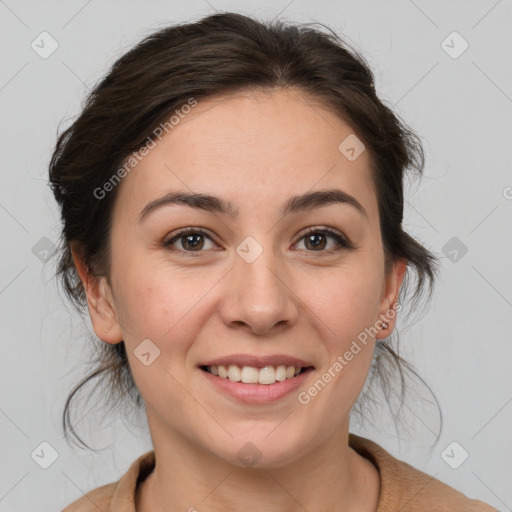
[(262, 450)]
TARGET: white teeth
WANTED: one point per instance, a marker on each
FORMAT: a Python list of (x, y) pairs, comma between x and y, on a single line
[(267, 375), (252, 375), (281, 373), (234, 373), (249, 375)]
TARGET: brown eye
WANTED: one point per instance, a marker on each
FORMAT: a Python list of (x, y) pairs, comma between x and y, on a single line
[(190, 240), (316, 240), (194, 241)]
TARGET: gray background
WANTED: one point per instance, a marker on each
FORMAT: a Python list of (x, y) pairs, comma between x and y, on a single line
[(461, 107)]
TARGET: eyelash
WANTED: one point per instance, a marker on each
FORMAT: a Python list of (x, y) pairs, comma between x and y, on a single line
[(343, 242)]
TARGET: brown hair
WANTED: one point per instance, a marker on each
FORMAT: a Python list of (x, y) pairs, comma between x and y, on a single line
[(219, 54)]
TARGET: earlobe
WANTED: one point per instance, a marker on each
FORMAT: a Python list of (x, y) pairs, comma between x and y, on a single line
[(388, 306), (100, 302)]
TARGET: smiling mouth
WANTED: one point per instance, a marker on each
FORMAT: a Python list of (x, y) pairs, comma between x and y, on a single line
[(251, 375)]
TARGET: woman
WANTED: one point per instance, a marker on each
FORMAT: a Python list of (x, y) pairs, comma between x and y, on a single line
[(232, 204)]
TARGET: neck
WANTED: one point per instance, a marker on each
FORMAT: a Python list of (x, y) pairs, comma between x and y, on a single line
[(331, 477)]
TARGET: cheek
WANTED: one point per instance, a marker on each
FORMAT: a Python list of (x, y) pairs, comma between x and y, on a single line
[(158, 308), (161, 305), (345, 301), (344, 313)]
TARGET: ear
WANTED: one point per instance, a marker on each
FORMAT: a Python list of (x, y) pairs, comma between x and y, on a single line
[(388, 304), (99, 301)]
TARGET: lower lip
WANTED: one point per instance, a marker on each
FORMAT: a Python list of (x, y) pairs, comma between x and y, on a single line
[(257, 393)]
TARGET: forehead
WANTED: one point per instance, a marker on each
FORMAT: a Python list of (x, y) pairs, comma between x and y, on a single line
[(253, 148)]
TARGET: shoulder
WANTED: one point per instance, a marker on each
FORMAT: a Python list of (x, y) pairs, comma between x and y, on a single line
[(97, 499), (117, 496), (404, 487)]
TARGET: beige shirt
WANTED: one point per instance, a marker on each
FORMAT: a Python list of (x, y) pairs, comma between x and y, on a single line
[(403, 488)]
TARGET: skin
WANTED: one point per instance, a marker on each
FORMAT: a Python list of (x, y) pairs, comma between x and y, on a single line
[(255, 150)]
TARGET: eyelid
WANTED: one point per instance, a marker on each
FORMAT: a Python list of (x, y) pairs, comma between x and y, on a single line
[(168, 241), (339, 236), (342, 240)]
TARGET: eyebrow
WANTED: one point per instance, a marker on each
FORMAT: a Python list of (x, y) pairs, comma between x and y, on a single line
[(214, 204)]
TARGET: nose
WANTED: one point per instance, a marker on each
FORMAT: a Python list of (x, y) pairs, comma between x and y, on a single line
[(258, 296)]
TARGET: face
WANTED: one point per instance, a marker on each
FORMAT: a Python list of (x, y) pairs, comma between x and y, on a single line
[(257, 285)]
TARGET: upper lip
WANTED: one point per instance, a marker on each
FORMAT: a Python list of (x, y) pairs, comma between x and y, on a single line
[(257, 361)]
